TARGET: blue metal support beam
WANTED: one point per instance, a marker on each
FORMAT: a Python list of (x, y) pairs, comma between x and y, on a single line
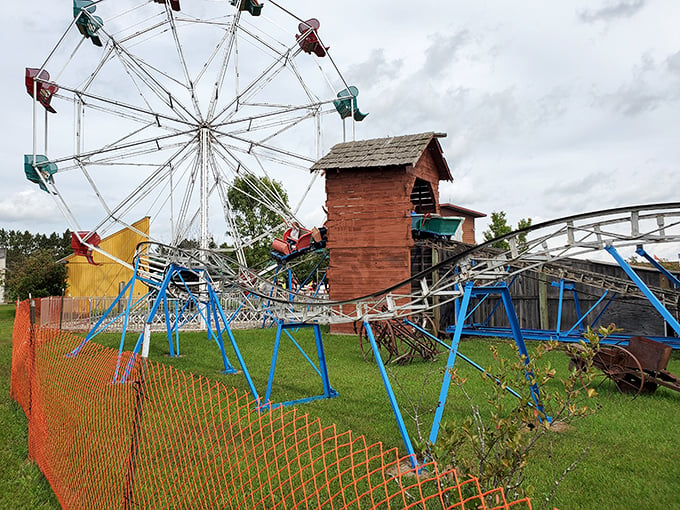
[(321, 370), (391, 396), (471, 291), (671, 277), (453, 350), (644, 289)]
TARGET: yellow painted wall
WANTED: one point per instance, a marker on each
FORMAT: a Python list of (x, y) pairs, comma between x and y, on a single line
[(87, 280)]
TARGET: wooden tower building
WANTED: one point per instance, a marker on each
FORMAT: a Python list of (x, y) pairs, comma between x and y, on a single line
[(372, 187)]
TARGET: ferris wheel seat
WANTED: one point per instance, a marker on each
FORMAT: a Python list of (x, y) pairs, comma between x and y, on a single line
[(308, 39), (347, 105), (174, 4), (88, 25), (37, 81), (42, 165), (252, 6), (78, 240)]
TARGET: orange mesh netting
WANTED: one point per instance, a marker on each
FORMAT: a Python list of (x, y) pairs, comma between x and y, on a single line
[(169, 439)]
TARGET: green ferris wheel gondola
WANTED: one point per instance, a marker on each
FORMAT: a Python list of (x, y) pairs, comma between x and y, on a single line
[(347, 106), (41, 165), (87, 23)]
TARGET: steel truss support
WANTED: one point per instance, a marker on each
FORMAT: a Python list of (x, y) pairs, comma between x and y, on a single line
[(671, 277), (391, 396), (470, 292), (574, 333), (656, 303), (207, 305), (321, 370)]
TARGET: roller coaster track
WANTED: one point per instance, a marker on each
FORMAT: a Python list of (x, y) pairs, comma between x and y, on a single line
[(566, 270), (543, 247)]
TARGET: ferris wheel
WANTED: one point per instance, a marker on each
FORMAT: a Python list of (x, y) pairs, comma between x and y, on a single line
[(165, 109)]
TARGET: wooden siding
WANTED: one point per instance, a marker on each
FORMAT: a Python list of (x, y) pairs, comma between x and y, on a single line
[(468, 229), (369, 227)]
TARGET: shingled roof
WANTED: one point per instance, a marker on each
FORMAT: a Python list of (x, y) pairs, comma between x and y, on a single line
[(383, 152)]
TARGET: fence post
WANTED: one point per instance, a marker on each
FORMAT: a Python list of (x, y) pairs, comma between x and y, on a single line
[(61, 308), (31, 372), (543, 301), (129, 489)]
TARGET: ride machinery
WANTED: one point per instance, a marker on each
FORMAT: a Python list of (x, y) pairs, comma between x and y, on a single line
[(174, 110)]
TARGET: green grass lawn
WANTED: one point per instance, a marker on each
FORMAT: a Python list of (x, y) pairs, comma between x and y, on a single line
[(633, 461), (22, 485)]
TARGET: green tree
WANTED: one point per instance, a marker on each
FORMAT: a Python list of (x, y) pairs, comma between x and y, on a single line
[(257, 203), (40, 275), (499, 227), (20, 245)]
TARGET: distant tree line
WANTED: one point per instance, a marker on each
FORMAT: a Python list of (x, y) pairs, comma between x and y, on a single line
[(32, 266)]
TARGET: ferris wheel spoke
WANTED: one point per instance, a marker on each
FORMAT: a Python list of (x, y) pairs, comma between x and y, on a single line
[(230, 38), (239, 167), (150, 183), (118, 160), (231, 224), (145, 72), (255, 86), (180, 54), (123, 150), (249, 145), (195, 217), (124, 114), (269, 118), (119, 106), (188, 193), (273, 202), (149, 75), (227, 39)]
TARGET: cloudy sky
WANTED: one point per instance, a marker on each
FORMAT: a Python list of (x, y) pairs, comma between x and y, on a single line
[(551, 108)]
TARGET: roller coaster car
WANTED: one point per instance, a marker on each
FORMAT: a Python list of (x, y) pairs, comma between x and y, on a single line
[(252, 6), (38, 81), (308, 40), (79, 248), (174, 4), (434, 226), (343, 104), (289, 248), (87, 24), (41, 165)]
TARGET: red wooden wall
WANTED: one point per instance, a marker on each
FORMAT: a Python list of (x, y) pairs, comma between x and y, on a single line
[(369, 228)]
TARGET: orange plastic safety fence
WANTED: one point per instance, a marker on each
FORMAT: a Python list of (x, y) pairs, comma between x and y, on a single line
[(169, 439)]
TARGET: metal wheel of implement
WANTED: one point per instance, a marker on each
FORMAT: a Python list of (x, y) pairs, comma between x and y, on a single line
[(413, 342), (620, 366), (384, 338)]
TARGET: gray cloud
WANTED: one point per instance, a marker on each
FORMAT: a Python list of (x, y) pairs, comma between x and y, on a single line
[(31, 206), (582, 185), (673, 63), (443, 51), (648, 90), (375, 68), (612, 11)]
